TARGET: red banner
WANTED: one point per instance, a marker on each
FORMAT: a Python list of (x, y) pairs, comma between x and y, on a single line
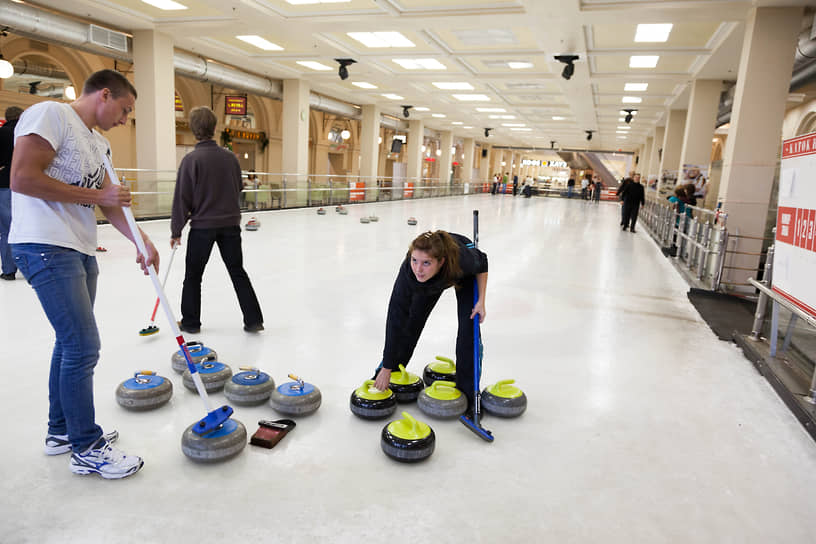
[(356, 191), (408, 191)]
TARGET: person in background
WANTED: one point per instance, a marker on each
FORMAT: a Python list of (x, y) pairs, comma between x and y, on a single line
[(633, 197), (435, 261), (9, 269), (585, 186), (207, 194), (58, 176), (570, 186), (597, 185)]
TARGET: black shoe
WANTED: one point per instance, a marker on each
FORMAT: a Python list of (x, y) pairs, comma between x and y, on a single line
[(191, 330), (254, 328), (632, 230), (624, 228), (9, 277)]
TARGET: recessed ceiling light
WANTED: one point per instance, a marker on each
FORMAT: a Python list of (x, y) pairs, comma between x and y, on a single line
[(652, 32), (643, 61), (622, 137), (467, 127), (624, 128), (420, 64), (501, 116), (314, 65), (301, 2), (514, 124), (631, 100), (521, 129), (363, 85), (392, 96), (457, 123), (472, 97), (260, 43), (635, 86), (164, 4), (453, 85), (381, 39), (438, 115), (486, 110), (621, 119), (557, 118), (519, 65), (621, 132), (422, 108)]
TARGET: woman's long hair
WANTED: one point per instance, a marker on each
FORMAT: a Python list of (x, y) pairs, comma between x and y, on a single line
[(440, 245)]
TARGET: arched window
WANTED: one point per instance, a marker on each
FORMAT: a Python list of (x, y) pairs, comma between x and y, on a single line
[(807, 125)]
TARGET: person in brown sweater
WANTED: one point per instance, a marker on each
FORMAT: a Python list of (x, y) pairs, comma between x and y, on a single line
[(207, 194)]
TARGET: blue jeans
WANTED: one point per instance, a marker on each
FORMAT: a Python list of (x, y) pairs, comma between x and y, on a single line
[(65, 283), (5, 222)]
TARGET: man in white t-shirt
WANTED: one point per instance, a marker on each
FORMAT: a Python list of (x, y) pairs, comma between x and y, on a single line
[(58, 176)]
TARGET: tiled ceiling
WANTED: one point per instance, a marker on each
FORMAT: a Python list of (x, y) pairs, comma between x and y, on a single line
[(503, 48)]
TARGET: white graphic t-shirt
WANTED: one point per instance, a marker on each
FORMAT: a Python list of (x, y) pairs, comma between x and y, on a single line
[(79, 161)]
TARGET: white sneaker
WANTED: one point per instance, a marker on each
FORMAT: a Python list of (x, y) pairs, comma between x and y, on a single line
[(103, 459), (57, 444)]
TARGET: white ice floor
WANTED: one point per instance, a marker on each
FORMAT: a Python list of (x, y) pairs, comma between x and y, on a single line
[(641, 426)]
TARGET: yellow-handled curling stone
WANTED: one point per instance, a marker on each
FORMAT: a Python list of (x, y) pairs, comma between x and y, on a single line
[(408, 440), (442, 369), (406, 386), (368, 402), (504, 399)]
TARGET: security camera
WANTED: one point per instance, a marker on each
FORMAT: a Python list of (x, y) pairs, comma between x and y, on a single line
[(589, 134), (628, 117), (343, 71), (487, 132), (552, 144), (405, 112), (569, 67)]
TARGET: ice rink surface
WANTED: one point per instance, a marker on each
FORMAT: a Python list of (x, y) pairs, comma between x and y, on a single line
[(641, 425)]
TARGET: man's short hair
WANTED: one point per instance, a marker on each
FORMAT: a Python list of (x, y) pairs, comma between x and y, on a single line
[(13, 113), (109, 79), (202, 123)]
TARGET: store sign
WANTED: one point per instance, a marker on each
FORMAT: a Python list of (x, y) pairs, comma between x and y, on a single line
[(556, 164), (530, 162), (245, 134), (794, 265), (235, 105)]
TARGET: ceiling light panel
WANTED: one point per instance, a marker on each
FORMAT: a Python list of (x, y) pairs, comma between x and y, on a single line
[(631, 100), (260, 43), (363, 85), (453, 85), (438, 115), (420, 64), (304, 2), (491, 110), (643, 61), (167, 5), (472, 97), (422, 108), (314, 65), (392, 96), (636, 87), (653, 32), (381, 39)]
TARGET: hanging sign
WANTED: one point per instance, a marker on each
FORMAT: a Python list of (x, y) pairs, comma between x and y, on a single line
[(794, 265), (179, 105), (235, 105)]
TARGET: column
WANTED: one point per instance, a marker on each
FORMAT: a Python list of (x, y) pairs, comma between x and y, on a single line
[(370, 148), (446, 158), (752, 148), (485, 172), (156, 129), (654, 156), (295, 145), (469, 149), (645, 158), (672, 145), (700, 123), (416, 133)]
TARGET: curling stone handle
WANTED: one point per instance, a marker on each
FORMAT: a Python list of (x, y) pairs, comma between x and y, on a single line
[(441, 383)]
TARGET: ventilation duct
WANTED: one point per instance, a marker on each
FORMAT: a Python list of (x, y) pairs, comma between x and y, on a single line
[(203, 70)]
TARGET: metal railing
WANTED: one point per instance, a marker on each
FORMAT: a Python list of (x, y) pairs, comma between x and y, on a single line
[(697, 238)]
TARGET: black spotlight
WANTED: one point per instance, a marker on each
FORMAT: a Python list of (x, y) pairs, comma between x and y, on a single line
[(569, 67), (552, 144), (405, 112), (343, 71), (628, 117), (487, 132), (32, 87), (589, 134)]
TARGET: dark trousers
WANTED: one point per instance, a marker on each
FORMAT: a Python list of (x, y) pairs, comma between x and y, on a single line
[(630, 214), (199, 247)]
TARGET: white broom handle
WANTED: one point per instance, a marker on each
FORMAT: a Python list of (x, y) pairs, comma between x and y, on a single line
[(137, 239)]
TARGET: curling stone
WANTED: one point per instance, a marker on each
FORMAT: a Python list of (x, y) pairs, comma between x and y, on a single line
[(444, 369), (412, 221), (442, 400), (369, 402), (407, 440), (321, 211), (249, 388), (365, 220), (222, 443), (343, 211), (144, 391), (373, 218), (198, 352), (406, 386), (252, 224), (297, 398), (214, 376), (504, 399)]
